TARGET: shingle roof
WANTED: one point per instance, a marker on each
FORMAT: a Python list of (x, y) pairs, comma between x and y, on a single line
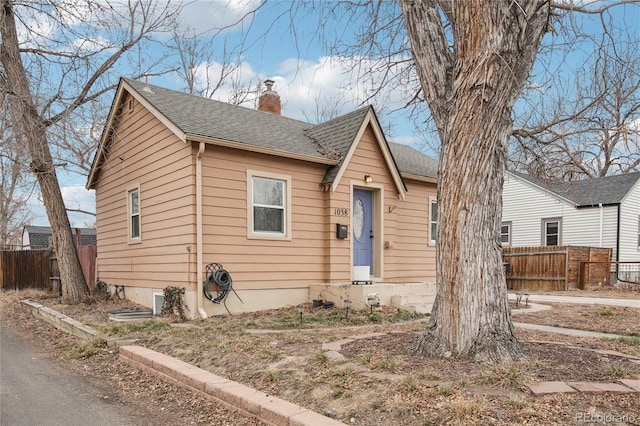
[(414, 162), (338, 134), (331, 140), (591, 192), (200, 116), (40, 236)]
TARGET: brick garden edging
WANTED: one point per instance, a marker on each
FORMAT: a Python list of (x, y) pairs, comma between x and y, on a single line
[(270, 409)]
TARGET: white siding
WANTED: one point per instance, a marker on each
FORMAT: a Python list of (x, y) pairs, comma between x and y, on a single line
[(526, 205), (629, 217)]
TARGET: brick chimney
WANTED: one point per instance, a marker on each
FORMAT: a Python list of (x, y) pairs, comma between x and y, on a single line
[(269, 100)]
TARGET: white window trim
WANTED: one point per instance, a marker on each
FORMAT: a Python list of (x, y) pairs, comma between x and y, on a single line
[(251, 234), (432, 238), (638, 242), (128, 192), (510, 225), (544, 230)]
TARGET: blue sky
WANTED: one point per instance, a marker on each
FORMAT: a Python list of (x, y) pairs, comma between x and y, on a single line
[(304, 73)]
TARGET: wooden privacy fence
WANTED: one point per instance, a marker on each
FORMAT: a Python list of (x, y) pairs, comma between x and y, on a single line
[(22, 269), (556, 267), (38, 269), (87, 256)]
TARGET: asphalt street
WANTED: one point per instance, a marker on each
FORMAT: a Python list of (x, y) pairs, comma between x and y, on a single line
[(37, 389)]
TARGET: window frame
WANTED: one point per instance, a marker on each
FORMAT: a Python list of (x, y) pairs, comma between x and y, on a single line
[(267, 235), (433, 238), (638, 246), (544, 236), (130, 214), (509, 233)]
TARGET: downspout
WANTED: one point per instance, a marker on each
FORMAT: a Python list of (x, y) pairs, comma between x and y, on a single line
[(618, 244), (199, 266), (601, 223)]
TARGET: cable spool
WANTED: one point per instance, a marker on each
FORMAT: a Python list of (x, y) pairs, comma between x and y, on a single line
[(218, 280)]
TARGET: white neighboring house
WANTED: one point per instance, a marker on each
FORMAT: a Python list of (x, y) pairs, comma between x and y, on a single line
[(602, 212)]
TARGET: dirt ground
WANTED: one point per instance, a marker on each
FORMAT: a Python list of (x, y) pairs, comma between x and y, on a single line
[(381, 382)]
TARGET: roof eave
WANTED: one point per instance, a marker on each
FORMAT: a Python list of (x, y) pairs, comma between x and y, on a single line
[(426, 179), (596, 205), (257, 149), (106, 135)]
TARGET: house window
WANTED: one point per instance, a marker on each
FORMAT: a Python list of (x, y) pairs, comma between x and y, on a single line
[(638, 233), (269, 205), (433, 220), (505, 234), (551, 232), (133, 208)]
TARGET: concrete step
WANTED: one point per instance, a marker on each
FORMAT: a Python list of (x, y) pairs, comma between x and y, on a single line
[(358, 294), (418, 303), (418, 309), (412, 299)]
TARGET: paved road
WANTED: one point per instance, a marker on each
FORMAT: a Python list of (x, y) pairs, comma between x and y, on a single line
[(36, 389)]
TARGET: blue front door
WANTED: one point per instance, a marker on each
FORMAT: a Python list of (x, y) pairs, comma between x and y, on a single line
[(362, 228)]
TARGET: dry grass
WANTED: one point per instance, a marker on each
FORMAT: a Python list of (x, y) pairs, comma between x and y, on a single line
[(407, 389)]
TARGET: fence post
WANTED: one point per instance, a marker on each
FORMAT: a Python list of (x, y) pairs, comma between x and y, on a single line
[(54, 273)]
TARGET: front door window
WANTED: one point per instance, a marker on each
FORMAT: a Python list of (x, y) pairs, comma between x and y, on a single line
[(358, 219)]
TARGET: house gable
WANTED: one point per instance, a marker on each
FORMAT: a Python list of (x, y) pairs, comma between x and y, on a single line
[(634, 190), (629, 214), (346, 144), (539, 187)]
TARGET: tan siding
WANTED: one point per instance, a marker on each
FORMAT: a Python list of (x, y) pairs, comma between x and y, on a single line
[(145, 152), (411, 258), (258, 263), (408, 256)]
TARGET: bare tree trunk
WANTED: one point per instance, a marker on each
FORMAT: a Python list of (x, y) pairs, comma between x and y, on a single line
[(471, 89), (31, 126)]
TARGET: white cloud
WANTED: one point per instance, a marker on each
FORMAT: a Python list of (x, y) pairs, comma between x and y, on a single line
[(75, 197), (203, 15)]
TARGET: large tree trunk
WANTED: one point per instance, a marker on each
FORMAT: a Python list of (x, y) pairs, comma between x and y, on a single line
[(32, 129), (471, 89)]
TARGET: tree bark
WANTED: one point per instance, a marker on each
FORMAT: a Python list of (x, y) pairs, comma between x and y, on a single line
[(471, 89), (29, 125)]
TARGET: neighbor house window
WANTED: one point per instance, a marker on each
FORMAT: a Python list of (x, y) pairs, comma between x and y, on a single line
[(133, 208), (269, 205), (505, 234), (551, 232), (433, 220)]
